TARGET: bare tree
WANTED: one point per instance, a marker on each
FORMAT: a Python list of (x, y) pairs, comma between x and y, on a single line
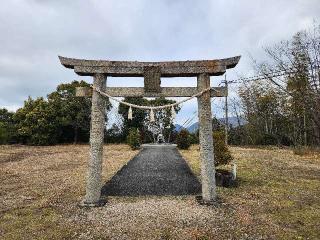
[(297, 61)]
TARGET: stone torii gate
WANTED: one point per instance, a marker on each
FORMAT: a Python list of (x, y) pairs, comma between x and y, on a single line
[(152, 73)]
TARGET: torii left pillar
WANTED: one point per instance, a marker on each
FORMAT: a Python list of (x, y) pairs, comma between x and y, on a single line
[(93, 188)]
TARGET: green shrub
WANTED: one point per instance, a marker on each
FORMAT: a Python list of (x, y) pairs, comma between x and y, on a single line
[(7, 127), (133, 138), (194, 138), (183, 139), (222, 154), (3, 134)]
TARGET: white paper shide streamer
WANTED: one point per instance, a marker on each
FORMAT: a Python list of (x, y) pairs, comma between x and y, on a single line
[(130, 113), (152, 109), (173, 113), (151, 115)]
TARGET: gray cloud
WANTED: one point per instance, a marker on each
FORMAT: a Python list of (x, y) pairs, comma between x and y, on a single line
[(34, 32)]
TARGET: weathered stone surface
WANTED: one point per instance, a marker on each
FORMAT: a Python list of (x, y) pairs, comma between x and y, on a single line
[(165, 92), (138, 72), (93, 188), (140, 92), (136, 69), (152, 80), (206, 141)]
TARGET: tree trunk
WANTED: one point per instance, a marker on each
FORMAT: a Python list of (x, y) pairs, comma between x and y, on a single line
[(75, 137), (305, 128)]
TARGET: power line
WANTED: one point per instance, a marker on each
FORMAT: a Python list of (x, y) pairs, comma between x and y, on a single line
[(189, 121), (259, 77), (264, 76)]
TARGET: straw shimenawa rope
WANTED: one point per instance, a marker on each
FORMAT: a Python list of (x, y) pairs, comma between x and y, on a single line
[(151, 108)]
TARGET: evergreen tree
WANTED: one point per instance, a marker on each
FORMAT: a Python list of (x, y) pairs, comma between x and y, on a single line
[(74, 112), (7, 127), (37, 122)]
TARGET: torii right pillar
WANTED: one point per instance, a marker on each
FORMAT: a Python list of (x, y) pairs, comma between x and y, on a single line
[(209, 194)]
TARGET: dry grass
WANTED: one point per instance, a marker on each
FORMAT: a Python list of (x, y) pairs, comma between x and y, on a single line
[(279, 192), (278, 198), (40, 186)]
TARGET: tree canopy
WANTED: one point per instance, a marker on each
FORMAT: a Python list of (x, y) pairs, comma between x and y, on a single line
[(285, 109), (61, 118)]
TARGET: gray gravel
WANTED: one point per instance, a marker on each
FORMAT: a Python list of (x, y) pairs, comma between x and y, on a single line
[(175, 217), (154, 171)]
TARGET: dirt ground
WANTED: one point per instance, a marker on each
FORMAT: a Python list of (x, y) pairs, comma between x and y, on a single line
[(278, 197)]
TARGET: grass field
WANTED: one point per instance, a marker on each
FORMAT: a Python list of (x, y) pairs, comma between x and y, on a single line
[(278, 198)]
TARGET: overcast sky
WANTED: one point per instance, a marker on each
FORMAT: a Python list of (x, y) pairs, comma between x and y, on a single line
[(35, 32)]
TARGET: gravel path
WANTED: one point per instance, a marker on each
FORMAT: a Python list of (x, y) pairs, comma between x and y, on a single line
[(158, 170)]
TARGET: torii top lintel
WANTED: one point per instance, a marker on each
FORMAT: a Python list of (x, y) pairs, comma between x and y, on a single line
[(85, 67)]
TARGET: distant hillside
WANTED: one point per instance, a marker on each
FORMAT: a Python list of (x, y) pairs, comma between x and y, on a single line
[(195, 126), (233, 121), (177, 127)]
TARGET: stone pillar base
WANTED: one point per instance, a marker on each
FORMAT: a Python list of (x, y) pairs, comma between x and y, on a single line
[(100, 203), (200, 201)]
